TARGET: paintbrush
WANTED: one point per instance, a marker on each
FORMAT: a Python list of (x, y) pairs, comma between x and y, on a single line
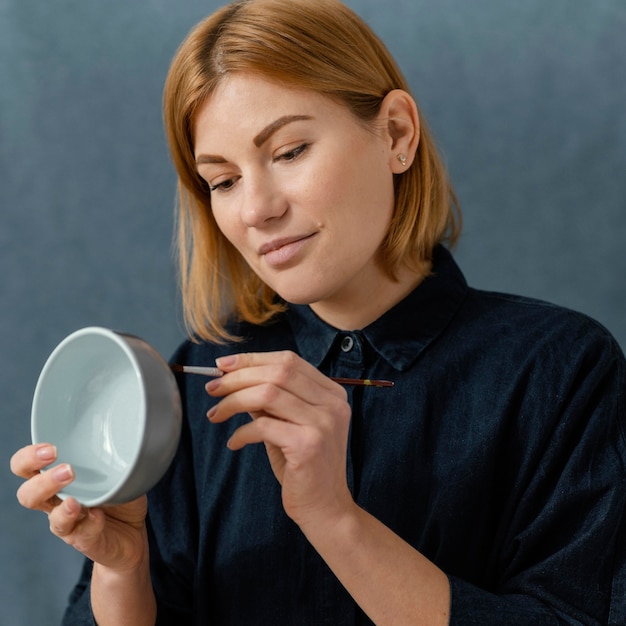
[(215, 372)]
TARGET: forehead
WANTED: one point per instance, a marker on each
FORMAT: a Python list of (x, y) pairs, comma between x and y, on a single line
[(246, 103)]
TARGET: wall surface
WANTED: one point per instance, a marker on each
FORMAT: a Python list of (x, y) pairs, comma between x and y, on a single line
[(527, 101)]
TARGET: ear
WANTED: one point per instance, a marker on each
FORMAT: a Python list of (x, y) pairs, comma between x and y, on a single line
[(400, 121)]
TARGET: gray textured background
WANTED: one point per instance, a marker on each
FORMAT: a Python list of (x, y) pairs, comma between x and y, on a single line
[(527, 100)]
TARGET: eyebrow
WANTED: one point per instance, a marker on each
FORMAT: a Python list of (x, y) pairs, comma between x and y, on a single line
[(269, 130), (260, 139)]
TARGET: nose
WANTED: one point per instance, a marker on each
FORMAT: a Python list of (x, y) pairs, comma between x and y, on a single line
[(262, 202)]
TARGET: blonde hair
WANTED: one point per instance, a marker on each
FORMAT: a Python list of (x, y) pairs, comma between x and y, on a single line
[(319, 45)]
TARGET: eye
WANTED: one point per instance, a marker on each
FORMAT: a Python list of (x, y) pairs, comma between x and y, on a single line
[(293, 154), (225, 185)]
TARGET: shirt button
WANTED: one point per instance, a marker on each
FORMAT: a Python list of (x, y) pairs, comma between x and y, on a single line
[(347, 343)]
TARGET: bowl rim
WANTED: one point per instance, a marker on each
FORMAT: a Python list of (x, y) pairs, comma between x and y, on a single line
[(119, 339)]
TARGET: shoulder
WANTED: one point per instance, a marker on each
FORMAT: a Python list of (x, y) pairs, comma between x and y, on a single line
[(562, 370), (536, 323), (544, 354)]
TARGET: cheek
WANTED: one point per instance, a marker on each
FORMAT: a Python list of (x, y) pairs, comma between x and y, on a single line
[(367, 188), (227, 224), (222, 224), (336, 182)]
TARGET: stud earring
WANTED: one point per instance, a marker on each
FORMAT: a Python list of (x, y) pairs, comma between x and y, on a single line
[(402, 159)]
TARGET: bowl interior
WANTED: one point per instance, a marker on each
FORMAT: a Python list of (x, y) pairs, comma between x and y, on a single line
[(90, 403)]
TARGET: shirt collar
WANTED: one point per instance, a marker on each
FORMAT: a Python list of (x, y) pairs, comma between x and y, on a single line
[(403, 332)]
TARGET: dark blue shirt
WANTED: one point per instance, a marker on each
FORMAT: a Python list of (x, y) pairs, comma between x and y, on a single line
[(499, 454)]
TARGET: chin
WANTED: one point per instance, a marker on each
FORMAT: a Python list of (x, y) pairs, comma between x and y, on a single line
[(299, 295), (305, 289), (297, 299)]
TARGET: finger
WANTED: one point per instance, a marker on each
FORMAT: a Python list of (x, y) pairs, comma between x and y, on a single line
[(285, 359), (271, 400), (27, 461), (266, 399), (39, 492), (282, 369), (298, 445), (64, 518), (267, 430), (294, 381)]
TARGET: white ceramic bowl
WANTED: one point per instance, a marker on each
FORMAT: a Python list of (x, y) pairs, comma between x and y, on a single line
[(110, 404)]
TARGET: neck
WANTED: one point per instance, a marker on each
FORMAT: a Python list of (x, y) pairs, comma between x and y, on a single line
[(356, 310)]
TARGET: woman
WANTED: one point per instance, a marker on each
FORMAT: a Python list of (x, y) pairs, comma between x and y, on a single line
[(485, 487)]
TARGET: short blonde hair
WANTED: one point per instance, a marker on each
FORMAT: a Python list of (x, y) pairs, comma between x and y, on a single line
[(320, 45)]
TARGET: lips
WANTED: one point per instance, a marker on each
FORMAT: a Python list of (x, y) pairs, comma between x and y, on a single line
[(270, 246), (281, 251)]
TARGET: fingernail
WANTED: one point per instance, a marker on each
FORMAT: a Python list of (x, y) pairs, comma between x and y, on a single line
[(71, 507), (212, 385), (46, 453), (225, 361), (63, 473)]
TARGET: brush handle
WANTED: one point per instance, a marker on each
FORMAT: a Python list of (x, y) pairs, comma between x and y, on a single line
[(193, 369), (214, 371), (363, 382)]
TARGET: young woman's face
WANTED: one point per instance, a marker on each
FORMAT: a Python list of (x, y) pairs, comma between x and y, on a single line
[(301, 189)]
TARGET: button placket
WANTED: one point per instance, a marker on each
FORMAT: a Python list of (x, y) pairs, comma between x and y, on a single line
[(349, 354), (347, 343)]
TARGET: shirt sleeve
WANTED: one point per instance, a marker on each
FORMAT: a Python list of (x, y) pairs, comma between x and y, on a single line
[(562, 555), (172, 533), (172, 523), (171, 564), (78, 612)]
